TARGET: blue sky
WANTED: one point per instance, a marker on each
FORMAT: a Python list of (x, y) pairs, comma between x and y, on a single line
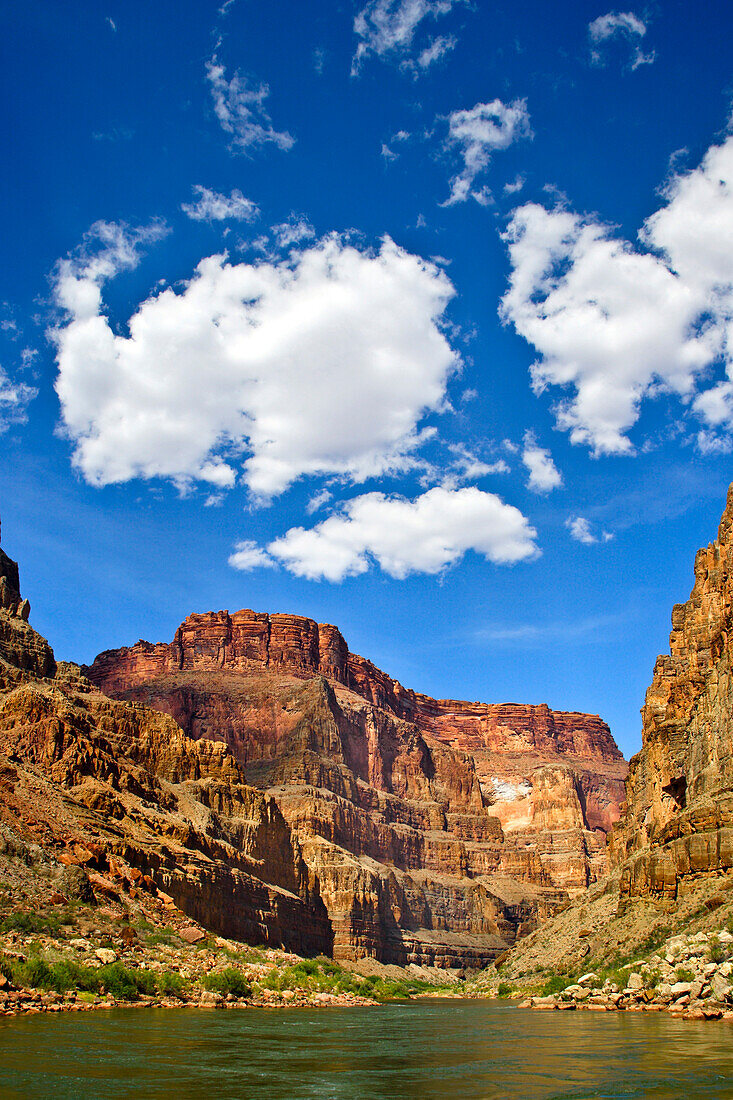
[(413, 316)]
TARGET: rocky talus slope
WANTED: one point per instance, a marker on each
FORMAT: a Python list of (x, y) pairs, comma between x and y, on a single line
[(102, 801), (671, 852), (438, 831)]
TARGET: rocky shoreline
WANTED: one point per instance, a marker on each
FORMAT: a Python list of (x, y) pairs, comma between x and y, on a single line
[(29, 1002), (690, 977), (93, 964)]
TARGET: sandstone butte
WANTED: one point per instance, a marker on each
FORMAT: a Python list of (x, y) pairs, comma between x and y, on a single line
[(434, 831)]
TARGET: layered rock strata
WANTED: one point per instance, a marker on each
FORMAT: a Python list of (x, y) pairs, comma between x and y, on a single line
[(119, 794), (438, 831), (678, 821)]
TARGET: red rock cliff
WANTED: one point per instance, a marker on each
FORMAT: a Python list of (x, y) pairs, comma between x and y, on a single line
[(424, 821), (678, 822), (301, 647), (505, 740)]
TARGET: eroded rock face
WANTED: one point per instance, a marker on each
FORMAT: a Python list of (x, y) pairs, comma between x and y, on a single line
[(110, 785), (438, 830), (505, 741), (19, 644), (678, 822)]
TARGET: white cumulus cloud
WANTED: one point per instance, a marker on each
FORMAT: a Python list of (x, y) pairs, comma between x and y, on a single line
[(107, 249), (240, 109), (616, 323), (619, 24), (544, 476), (387, 29), (266, 372), (475, 135), (210, 206), (424, 535)]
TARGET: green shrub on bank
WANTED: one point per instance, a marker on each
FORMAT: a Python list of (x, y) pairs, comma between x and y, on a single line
[(322, 975), (556, 984), (129, 983), (125, 984), (170, 984), (35, 972), (228, 980), (505, 989)]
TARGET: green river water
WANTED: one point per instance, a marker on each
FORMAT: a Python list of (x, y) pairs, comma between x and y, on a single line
[(425, 1050)]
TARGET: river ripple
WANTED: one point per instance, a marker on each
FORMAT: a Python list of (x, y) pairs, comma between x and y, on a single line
[(424, 1050)]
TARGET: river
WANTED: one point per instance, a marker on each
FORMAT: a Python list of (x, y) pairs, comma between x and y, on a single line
[(423, 1050)]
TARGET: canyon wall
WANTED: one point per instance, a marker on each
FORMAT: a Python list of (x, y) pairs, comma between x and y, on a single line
[(122, 796), (506, 741), (677, 826), (438, 831), (671, 852)]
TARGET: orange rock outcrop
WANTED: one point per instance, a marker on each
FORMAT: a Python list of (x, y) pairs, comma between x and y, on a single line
[(678, 821)]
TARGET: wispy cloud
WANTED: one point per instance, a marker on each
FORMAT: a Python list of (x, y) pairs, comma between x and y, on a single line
[(210, 206), (317, 501), (296, 230), (515, 185), (474, 135), (536, 635), (387, 151), (15, 398), (581, 530), (464, 466), (319, 60), (437, 50), (117, 133), (388, 28), (240, 108), (624, 25)]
